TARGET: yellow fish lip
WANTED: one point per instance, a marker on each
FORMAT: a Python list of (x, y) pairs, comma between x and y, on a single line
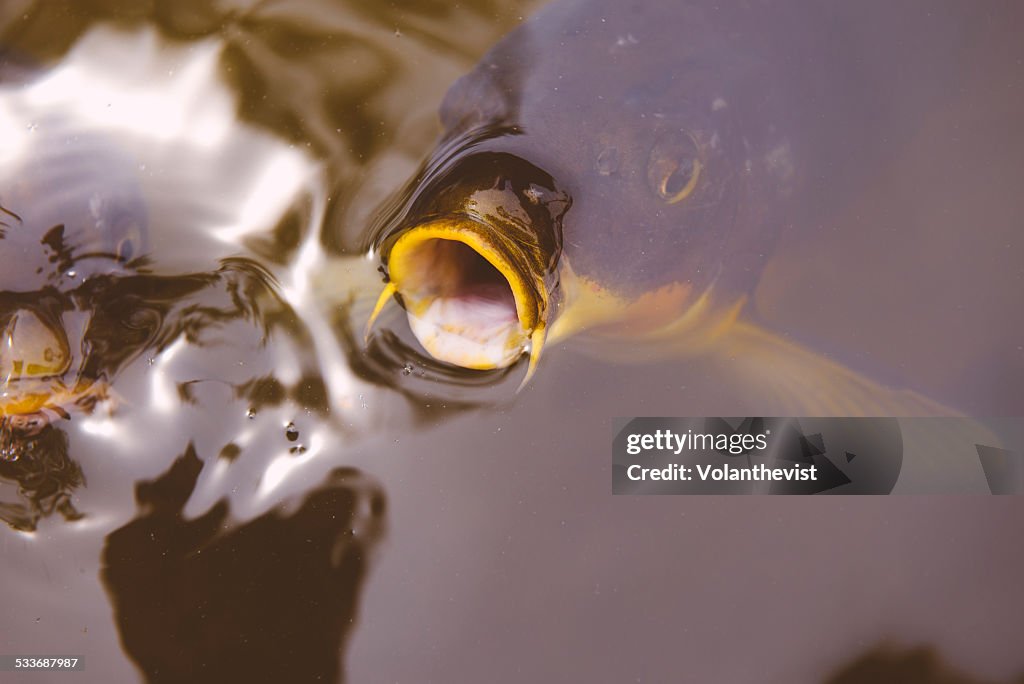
[(471, 300)]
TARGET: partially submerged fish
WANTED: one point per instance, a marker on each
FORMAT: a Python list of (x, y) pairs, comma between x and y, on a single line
[(34, 358), (70, 209), (626, 169)]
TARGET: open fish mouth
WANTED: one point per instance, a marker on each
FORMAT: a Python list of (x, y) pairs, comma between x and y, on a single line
[(470, 296), (474, 259)]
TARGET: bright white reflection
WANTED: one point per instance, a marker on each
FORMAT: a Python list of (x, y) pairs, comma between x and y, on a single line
[(216, 474), (17, 133), (100, 426), (158, 90), (163, 390), (300, 286), (166, 104), (210, 183), (270, 191), (283, 465)]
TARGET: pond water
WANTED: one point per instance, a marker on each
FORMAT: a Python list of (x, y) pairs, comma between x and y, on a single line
[(207, 475)]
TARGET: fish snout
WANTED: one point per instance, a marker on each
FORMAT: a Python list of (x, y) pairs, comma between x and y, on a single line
[(476, 274)]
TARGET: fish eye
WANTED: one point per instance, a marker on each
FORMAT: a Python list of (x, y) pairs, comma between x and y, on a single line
[(674, 168), (125, 250)]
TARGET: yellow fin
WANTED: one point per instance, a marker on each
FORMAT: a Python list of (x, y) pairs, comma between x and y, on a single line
[(779, 377), (801, 382), (669, 322)]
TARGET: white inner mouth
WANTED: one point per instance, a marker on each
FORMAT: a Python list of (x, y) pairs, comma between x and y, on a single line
[(461, 308)]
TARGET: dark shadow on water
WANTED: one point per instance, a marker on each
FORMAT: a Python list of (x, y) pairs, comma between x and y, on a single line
[(274, 599), (886, 664)]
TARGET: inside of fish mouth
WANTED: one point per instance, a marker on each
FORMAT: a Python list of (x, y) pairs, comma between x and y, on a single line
[(451, 270), (461, 304)]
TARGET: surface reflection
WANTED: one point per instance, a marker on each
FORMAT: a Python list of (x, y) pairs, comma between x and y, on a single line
[(36, 459), (170, 296), (124, 318)]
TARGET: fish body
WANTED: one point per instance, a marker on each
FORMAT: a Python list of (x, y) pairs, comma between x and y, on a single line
[(625, 170)]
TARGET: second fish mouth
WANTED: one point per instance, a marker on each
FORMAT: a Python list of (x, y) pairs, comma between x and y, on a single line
[(470, 296)]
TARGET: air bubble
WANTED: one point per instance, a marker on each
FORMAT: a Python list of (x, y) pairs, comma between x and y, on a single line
[(291, 432)]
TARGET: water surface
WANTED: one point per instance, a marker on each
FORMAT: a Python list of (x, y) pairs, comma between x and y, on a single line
[(245, 490)]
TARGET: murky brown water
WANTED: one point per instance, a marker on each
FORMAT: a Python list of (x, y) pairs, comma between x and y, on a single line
[(232, 489)]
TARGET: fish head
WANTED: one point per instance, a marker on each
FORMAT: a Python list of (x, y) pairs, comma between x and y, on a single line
[(476, 268), (663, 166)]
